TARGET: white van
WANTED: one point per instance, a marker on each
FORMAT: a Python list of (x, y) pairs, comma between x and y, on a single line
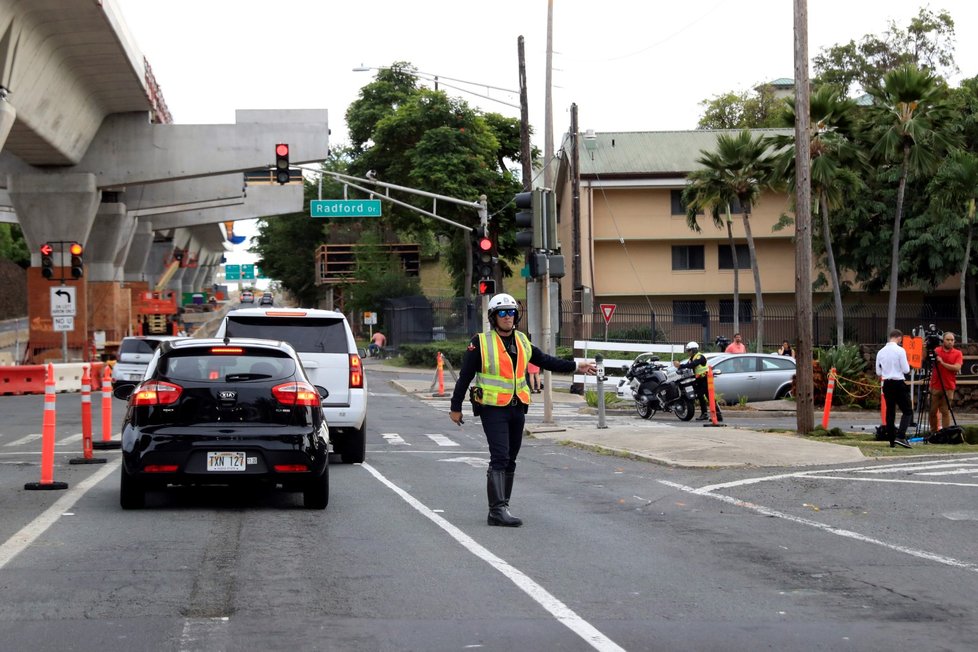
[(134, 356), (328, 352)]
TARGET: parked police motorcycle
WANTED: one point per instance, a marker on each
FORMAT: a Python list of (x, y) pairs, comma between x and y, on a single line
[(656, 386)]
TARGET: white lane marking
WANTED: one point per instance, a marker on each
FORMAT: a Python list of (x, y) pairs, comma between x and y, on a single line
[(70, 439), (441, 440), (893, 480), (204, 634), (957, 471), (913, 468), (541, 596), (477, 462), (394, 438), (25, 440), (849, 534), (30, 532)]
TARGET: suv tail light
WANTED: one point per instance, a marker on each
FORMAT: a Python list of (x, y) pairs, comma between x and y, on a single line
[(156, 393), (296, 393), (356, 372)]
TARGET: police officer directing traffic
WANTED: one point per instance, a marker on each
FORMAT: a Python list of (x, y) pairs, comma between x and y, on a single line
[(497, 360), (697, 362)]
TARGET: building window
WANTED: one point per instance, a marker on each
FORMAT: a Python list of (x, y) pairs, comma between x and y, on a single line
[(746, 311), (686, 257), (725, 260), (735, 208), (688, 312), (678, 206)]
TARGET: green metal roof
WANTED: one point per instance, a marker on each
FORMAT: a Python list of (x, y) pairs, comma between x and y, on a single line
[(783, 82), (650, 153)]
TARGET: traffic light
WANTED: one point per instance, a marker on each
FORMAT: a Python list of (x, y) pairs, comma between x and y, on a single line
[(487, 287), (483, 254), (529, 218), (282, 163), (47, 260), (77, 264)]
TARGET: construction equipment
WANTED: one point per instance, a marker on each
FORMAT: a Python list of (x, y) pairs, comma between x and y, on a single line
[(156, 310)]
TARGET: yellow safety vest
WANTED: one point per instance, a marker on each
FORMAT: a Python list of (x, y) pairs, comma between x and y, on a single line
[(498, 380), (700, 370)]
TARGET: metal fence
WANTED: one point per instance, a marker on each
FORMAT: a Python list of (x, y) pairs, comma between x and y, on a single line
[(680, 322)]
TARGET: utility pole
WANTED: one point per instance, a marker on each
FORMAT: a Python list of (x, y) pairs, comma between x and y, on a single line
[(803, 224), (575, 178), (525, 151), (548, 117)]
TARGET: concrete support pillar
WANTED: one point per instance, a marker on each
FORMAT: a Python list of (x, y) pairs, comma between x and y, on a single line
[(54, 207), (108, 242), (190, 275), (159, 254), (134, 268)]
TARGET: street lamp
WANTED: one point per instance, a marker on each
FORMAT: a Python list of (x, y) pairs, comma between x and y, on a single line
[(439, 79)]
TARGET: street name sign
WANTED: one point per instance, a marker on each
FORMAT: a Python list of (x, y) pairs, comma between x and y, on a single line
[(344, 208), (63, 301)]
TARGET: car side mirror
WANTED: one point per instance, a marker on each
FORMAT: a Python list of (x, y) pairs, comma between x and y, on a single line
[(323, 392), (123, 392)]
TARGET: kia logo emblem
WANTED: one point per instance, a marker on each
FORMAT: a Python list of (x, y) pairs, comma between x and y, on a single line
[(227, 396)]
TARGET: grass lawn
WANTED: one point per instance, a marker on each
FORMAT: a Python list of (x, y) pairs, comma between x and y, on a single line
[(866, 442)]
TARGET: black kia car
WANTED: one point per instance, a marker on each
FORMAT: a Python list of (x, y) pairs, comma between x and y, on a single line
[(224, 412)]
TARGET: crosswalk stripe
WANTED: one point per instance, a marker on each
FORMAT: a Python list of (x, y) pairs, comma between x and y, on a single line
[(70, 439), (441, 440), (394, 438), (25, 440)]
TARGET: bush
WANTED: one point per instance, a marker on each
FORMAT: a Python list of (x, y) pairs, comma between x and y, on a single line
[(425, 355), (853, 386)]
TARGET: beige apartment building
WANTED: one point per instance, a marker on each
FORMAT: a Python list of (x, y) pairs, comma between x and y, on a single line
[(636, 248)]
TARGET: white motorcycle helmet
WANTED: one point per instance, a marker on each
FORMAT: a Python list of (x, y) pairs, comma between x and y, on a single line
[(692, 346), (503, 302)]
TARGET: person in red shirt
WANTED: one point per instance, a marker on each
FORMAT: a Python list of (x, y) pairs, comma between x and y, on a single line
[(947, 363), (737, 346)]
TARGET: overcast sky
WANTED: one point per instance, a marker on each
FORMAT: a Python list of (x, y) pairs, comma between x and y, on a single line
[(629, 65)]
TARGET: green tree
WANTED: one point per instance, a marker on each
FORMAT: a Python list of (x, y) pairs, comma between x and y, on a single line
[(927, 42), (747, 110), (831, 150), (379, 277), (909, 107), (708, 191), (742, 168), (13, 247)]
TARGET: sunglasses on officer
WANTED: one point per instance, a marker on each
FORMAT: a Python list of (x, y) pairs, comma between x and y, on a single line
[(508, 312)]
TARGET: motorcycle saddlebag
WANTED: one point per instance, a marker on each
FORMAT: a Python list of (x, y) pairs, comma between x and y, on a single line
[(668, 392)]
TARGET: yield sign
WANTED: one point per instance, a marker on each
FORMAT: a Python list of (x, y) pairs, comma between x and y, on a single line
[(608, 309)]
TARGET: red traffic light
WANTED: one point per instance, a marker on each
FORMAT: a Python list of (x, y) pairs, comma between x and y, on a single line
[(75, 249), (47, 249), (487, 287), (281, 149), (484, 244)]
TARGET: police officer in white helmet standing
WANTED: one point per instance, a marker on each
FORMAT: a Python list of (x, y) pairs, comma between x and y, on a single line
[(697, 362), (497, 360)]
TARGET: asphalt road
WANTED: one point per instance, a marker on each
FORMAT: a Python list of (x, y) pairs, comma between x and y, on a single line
[(615, 553)]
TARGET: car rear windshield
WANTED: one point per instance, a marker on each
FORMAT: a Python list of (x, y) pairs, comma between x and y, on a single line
[(305, 334), (203, 365), (138, 346)]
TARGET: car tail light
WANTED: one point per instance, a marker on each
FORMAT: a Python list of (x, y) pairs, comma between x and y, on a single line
[(227, 350), (356, 372), (291, 468), (156, 393), (160, 468), (285, 313), (296, 393)]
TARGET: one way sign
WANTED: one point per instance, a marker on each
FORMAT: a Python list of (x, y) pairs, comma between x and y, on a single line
[(63, 301)]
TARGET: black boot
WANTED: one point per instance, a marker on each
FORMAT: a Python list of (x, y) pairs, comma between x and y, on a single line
[(509, 485), (498, 504)]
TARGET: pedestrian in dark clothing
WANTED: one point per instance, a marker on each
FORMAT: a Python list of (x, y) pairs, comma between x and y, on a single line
[(892, 367), (498, 361)]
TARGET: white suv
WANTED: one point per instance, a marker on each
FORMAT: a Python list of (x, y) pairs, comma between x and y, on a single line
[(134, 356), (329, 355)]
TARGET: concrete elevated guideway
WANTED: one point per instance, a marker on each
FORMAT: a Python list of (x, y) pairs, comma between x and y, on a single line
[(89, 153)]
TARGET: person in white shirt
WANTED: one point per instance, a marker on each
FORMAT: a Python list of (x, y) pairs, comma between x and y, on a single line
[(891, 366)]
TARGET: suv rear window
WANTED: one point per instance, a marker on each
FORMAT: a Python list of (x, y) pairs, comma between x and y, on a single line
[(130, 345), (202, 365), (305, 334)]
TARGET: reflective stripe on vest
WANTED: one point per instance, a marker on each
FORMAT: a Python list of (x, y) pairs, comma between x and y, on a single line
[(497, 379), (700, 370)]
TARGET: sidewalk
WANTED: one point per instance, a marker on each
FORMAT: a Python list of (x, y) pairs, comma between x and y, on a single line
[(679, 444)]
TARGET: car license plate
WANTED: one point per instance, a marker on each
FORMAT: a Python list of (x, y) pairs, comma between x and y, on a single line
[(226, 461)]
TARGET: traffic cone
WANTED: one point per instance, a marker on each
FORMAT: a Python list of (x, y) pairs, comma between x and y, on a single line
[(86, 413), (107, 443), (711, 395), (47, 438), (827, 412), (440, 377)]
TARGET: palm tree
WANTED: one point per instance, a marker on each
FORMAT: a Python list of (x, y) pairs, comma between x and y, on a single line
[(831, 149), (959, 178), (909, 105), (707, 191), (739, 168)]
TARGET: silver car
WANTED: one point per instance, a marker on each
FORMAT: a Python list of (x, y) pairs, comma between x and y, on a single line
[(756, 376)]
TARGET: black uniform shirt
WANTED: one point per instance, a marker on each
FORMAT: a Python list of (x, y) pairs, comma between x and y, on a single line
[(472, 364)]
